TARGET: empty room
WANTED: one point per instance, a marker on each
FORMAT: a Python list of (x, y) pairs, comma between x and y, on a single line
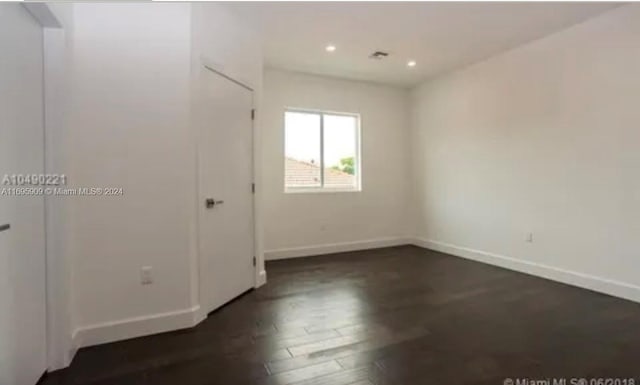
[(319, 193)]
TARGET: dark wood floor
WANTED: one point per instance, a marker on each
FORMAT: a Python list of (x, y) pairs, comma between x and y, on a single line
[(399, 316)]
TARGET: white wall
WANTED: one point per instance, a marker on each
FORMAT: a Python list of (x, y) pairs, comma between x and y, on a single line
[(128, 127), (131, 70), (22, 246), (309, 223), (541, 139), (488, 142)]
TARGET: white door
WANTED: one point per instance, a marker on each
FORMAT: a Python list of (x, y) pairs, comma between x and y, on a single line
[(22, 242), (225, 163)]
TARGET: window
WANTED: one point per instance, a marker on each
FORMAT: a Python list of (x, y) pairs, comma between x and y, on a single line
[(322, 151)]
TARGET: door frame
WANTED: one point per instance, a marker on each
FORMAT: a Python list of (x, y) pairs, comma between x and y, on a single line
[(205, 67)]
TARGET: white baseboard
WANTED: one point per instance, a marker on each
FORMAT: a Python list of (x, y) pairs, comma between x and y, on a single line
[(164, 322), (70, 356), (261, 279), (64, 362), (330, 248), (585, 281), (136, 327)]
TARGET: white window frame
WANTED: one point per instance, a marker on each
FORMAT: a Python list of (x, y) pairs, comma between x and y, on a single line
[(357, 161)]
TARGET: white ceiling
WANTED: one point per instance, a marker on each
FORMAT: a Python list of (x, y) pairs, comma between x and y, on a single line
[(439, 36)]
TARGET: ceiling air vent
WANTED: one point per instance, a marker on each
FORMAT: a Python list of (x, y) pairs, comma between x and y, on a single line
[(378, 55)]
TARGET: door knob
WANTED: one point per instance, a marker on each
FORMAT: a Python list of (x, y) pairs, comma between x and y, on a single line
[(210, 203)]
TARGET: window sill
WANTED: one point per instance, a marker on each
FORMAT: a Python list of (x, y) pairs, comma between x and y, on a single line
[(321, 190)]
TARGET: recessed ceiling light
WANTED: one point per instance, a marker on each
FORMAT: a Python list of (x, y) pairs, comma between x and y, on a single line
[(411, 63), (330, 48)]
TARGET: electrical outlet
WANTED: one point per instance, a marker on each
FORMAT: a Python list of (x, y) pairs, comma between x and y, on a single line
[(529, 238), (146, 276)]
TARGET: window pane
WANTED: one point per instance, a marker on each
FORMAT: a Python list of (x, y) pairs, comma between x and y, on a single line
[(340, 144), (302, 150)]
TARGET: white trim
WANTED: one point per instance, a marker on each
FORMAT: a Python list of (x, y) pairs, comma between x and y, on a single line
[(261, 279), (320, 190), (71, 354), (65, 360), (136, 327), (330, 248), (182, 319), (585, 281)]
